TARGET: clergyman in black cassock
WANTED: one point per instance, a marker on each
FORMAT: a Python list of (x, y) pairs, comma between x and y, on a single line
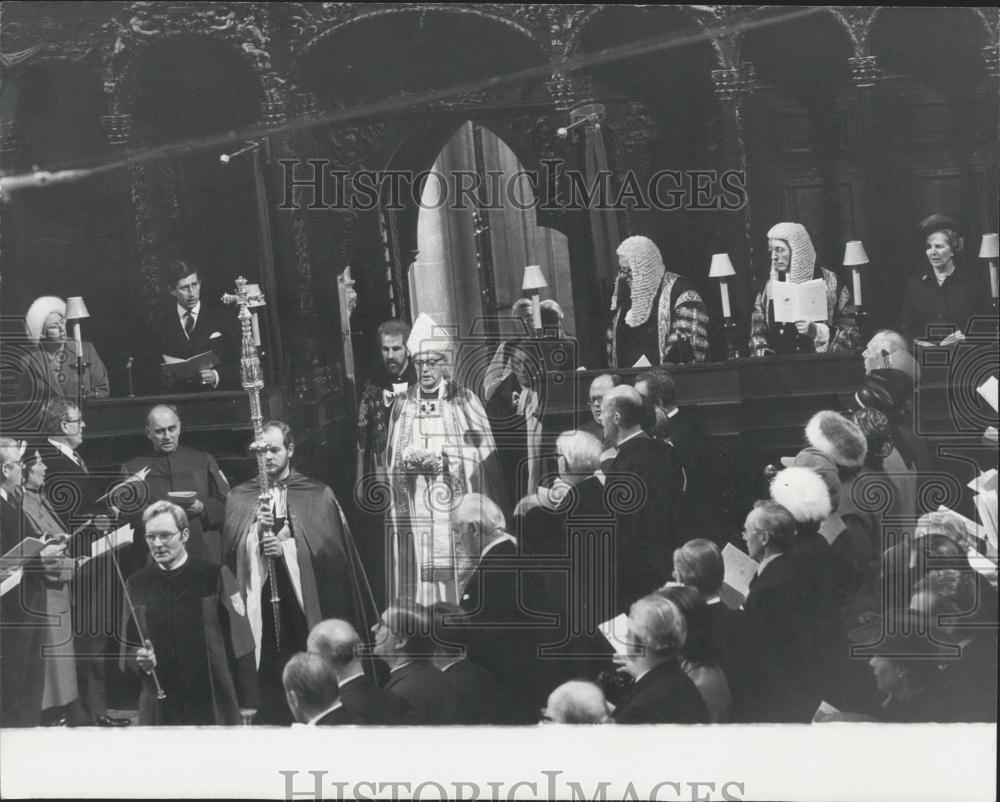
[(195, 619)]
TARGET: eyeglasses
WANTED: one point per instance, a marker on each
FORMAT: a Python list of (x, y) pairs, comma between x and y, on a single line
[(73, 420), (431, 363), (595, 400), (162, 537)]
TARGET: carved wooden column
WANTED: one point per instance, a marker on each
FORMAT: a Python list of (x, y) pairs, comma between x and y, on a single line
[(731, 229)]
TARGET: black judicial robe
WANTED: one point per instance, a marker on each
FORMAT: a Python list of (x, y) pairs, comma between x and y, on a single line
[(197, 624), (185, 469)]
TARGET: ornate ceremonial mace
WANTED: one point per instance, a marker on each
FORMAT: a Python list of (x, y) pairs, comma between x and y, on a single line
[(252, 380)]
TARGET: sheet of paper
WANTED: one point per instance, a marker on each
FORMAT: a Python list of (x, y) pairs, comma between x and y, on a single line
[(138, 476), (983, 565), (642, 362), (11, 582), (955, 337), (985, 482), (740, 569), (171, 360), (812, 300), (21, 553), (989, 390), (824, 712), (986, 506), (122, 536), (975, 530), (616, 633), (991, 433)]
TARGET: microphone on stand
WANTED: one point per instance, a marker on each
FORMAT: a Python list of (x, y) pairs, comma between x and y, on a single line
[(128, 367)]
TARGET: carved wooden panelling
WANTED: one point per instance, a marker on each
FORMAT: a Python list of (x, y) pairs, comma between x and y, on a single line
[(796, 132), (808, 201)]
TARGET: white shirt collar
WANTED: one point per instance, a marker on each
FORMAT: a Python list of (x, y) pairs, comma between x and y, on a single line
[(503, 539), (3, 494), (449, 665), (65, 449), (630, 437), (673, 412), (765, 561), (184, 559), (394, 669), (351, 678), (335, 706), (195, 310), (713, 600)]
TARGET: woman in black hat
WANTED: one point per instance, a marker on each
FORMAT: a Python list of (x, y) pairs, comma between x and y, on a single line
[(945, 296)]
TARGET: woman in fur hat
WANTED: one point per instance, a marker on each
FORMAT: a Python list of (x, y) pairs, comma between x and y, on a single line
[(793, 258), (656, 314), (943, 297), (50, 369)]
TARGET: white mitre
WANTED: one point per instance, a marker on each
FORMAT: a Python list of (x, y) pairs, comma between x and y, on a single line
[(427, 336)]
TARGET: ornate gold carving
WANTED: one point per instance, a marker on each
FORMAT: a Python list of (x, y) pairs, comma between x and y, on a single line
[(864, 70)]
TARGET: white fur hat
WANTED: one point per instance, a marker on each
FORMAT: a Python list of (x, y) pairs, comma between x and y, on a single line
[(837, 437), (39, 310), (803, 493)]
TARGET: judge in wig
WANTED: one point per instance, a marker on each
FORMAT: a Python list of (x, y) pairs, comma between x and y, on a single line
[(793, 258), (656, 314), (440, 448)]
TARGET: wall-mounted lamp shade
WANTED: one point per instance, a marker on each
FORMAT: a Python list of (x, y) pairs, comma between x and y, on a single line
[(990, 249)]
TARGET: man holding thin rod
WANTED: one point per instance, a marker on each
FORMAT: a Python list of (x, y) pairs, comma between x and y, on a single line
[(197, 651)]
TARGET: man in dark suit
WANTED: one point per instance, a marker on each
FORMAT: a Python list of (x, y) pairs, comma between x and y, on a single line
[(403, 639), (778, 653), (503, 636), (74, 492), (472, 686), (642, 487), (340, 645), (662, 692), (22, 622), (189, 328), (312, 692)]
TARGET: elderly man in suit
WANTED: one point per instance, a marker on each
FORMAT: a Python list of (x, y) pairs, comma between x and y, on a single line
[(778, 661), (337, 642), (403, 640), (74, 493), (647, 509), (662, 693), (503, 633), (312, 692)]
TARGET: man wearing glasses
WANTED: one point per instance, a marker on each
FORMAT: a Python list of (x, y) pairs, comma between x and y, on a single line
[(74, 493), (441, 447), (599, 387), (194, 632)]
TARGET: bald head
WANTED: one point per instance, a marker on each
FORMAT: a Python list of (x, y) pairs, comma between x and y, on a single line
[(621, 413), (163, 428), (336, 641)]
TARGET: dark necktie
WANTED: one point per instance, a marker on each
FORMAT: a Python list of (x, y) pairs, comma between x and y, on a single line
[(188, 324), (79, 461)]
